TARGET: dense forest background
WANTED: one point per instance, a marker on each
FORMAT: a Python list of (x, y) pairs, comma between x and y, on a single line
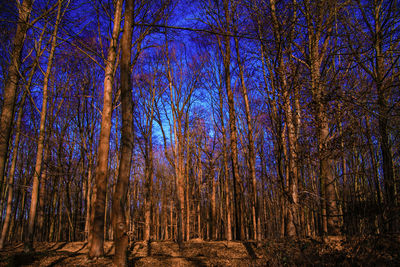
[(214, 119)]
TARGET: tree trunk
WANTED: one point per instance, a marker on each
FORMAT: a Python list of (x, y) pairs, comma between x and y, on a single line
[(6, 223), (16, 144), (250, 140), (317, 51), (149, 190), (225, 165), (97, 239), (120, 193), (10, 88), (383, 111), (28, 244), (226, 53)]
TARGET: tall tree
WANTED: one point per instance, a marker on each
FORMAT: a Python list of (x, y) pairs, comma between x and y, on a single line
[(121, 189), (372, 27), (11, 84), (228, 9), (319, 19), (6, 223), (250, 131), (96, 239), (28, 244)]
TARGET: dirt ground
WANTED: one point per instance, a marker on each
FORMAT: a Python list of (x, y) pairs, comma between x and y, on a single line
[(366, 251)]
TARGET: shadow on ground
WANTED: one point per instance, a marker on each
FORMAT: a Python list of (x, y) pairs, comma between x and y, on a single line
[(358, 251)]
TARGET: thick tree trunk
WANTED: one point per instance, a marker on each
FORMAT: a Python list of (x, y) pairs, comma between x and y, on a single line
[(10, 88), (16, 144), (120, 193), (317, 47), (6, 223), (97, 231)]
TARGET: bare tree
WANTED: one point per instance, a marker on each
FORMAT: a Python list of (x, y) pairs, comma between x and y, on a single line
[(96, 239), (121, 189), (39, 155), (13, 76)]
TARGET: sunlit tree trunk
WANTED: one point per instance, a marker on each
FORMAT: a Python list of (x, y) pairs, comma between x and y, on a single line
[(187, 188), (280, 71), (39, 155), (250, 140), (225, 163), (97, 232), (226, 54)]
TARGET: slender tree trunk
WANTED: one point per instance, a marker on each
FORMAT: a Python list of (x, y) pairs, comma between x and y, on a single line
[(187, 203), (383, 111), (177, 151), (149, 188), (28, 244), (180, 183), (250, 140), (199, 179), (42, 193), (226, 170), (22, 210), (96, 245), (226, 53), (88, 199)]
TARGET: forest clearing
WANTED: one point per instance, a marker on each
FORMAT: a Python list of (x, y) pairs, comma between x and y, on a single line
[(368, 251)]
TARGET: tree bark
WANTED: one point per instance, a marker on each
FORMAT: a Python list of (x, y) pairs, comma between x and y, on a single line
[(97, 233), (16, 145), (28, 244), (318, 49), (121, 189), (10, 88), (6, 223), (226, 53), (280, 71), (250, 140), (225, 165)]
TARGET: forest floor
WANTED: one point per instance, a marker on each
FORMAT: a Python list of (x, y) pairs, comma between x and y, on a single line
[(365, 251)]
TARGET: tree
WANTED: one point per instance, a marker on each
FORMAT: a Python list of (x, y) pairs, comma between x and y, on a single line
[(96, 239), (319, 19), (371, 27), (225, 48), (39, 155), (11, 84), (120, 193), (250, 132)]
